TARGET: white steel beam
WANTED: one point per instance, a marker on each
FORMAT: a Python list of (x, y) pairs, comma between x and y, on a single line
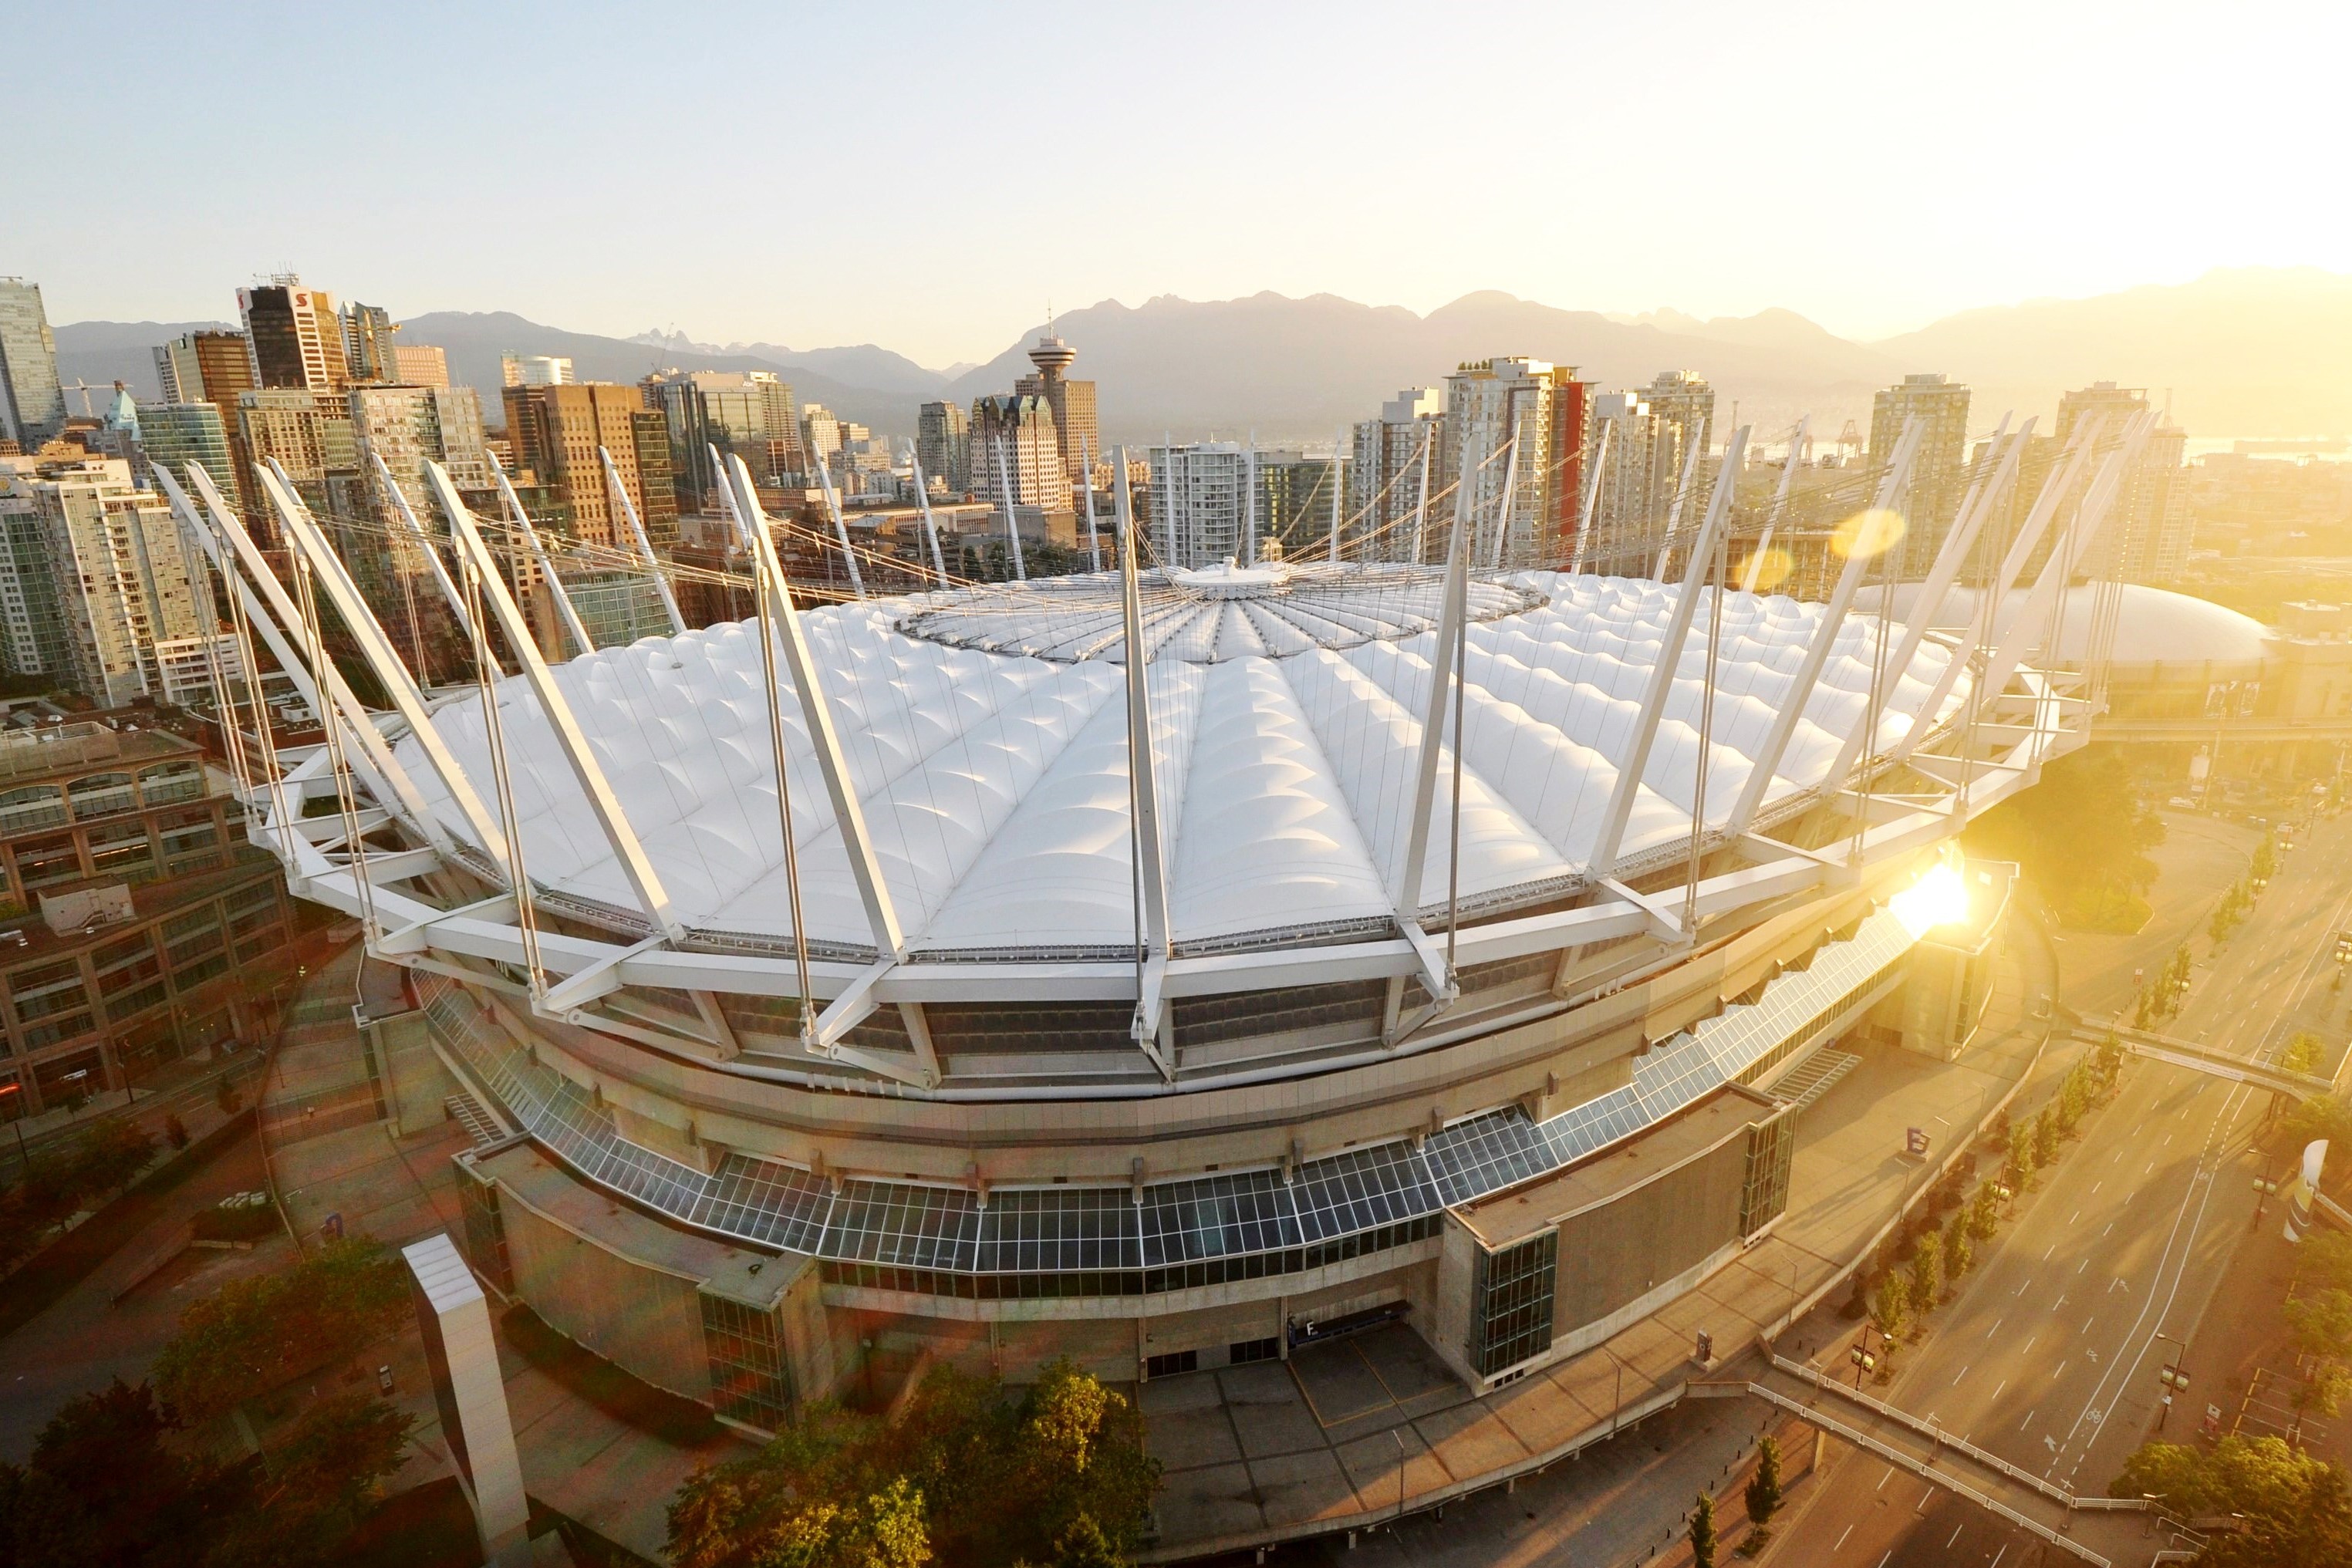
[(1338, 458), (2060, 484), (563, 610), (1748, 579), (441, 578), (848, 816), (1510, 490), (619, 494), (1093, 531), (619, 835), (1249, 504), (1143, 786), (1929, 603), (930, 524), (1420, 506), (1011, 518), (270, 611), (1592, 499), (376, 648), (840, 528), (1817, 651), (1681, 497), (1636, 760), (1435, 964), (2050, 589)]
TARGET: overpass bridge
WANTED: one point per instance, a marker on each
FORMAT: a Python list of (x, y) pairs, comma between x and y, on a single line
[(2252, 728), (2103, 1532), (2198, 1057)]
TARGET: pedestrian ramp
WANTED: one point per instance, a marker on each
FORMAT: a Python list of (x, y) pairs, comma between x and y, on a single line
[(2108, 1533)]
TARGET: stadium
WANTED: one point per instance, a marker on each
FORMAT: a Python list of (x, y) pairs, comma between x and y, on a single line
[(1392, 941)]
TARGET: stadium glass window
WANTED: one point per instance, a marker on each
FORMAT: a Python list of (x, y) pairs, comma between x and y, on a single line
[(1511, 1305), (1242, 1351), (749, 1381), (1169, 1365)]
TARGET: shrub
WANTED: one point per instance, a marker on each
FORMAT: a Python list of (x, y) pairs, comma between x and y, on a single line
[(175, 1131)]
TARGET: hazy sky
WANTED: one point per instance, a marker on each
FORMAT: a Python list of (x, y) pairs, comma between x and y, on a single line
[(927, 176)]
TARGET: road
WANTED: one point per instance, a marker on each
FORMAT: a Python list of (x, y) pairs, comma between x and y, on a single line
[(2049, 1355)]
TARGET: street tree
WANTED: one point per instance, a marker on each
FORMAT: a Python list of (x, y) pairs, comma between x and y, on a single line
[(1890, 1306), (1702, 1532), (1928, 1274), (1763, 1494)]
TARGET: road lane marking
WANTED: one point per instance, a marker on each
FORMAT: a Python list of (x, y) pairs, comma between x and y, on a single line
[(1999, 1387), (2072, 1218), (1996, 1324), (1955, 1534), (1962, 1372), (1884, 1478), (2059, 1372), (1841, 1540)]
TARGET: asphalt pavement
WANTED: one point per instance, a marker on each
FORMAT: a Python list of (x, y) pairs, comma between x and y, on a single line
[(2049, 1355)]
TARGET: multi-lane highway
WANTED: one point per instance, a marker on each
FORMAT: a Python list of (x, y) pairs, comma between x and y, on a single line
[(2049, 1355)]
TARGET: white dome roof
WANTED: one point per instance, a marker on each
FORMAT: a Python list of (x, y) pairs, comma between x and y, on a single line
[(995, 784), (2153, 625)]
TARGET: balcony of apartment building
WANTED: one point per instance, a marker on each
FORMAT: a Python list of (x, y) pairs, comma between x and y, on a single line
[(136, 928)]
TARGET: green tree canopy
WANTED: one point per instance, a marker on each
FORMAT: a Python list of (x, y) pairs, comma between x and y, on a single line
[(251, 1335), (2082, 834), (965, 1473), (2296, 1509)]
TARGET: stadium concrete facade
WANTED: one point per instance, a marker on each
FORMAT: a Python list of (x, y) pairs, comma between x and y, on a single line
[(924, 978)]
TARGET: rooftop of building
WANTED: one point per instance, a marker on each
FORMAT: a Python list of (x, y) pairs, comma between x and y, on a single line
[(1516, 1213), (34, 751)]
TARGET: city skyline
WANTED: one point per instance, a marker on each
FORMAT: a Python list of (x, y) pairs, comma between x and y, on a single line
[(1842, 216)]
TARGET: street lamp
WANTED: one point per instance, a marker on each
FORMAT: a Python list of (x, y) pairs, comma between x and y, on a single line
[(2173, 1378), (1863, 1361)]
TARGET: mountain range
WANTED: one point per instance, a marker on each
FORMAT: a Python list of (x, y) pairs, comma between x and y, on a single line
[(2246, 351)]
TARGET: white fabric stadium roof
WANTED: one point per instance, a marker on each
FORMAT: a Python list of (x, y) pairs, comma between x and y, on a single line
[(995, 784)]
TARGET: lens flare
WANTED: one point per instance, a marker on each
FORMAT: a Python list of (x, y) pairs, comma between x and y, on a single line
[(1772, 569), (1869, 534), (1939, 898)]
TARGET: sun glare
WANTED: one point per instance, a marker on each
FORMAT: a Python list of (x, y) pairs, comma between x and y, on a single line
[(1869, 533), (1939, 898)]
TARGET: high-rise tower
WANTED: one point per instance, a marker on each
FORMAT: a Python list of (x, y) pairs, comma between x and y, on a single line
[(32, 404), (296, 337), (1077, 432)]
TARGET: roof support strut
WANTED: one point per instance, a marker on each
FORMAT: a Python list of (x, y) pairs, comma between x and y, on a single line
[(636, 865), (645, 546), (1636, 760), (376, 648), (1143, 797), (1817, 651)]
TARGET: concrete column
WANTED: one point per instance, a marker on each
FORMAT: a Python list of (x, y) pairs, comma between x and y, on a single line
[(471, 1396)]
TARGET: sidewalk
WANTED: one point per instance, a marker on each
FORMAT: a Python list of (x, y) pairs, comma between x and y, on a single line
[(330, 1155), (1276, 1450)]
